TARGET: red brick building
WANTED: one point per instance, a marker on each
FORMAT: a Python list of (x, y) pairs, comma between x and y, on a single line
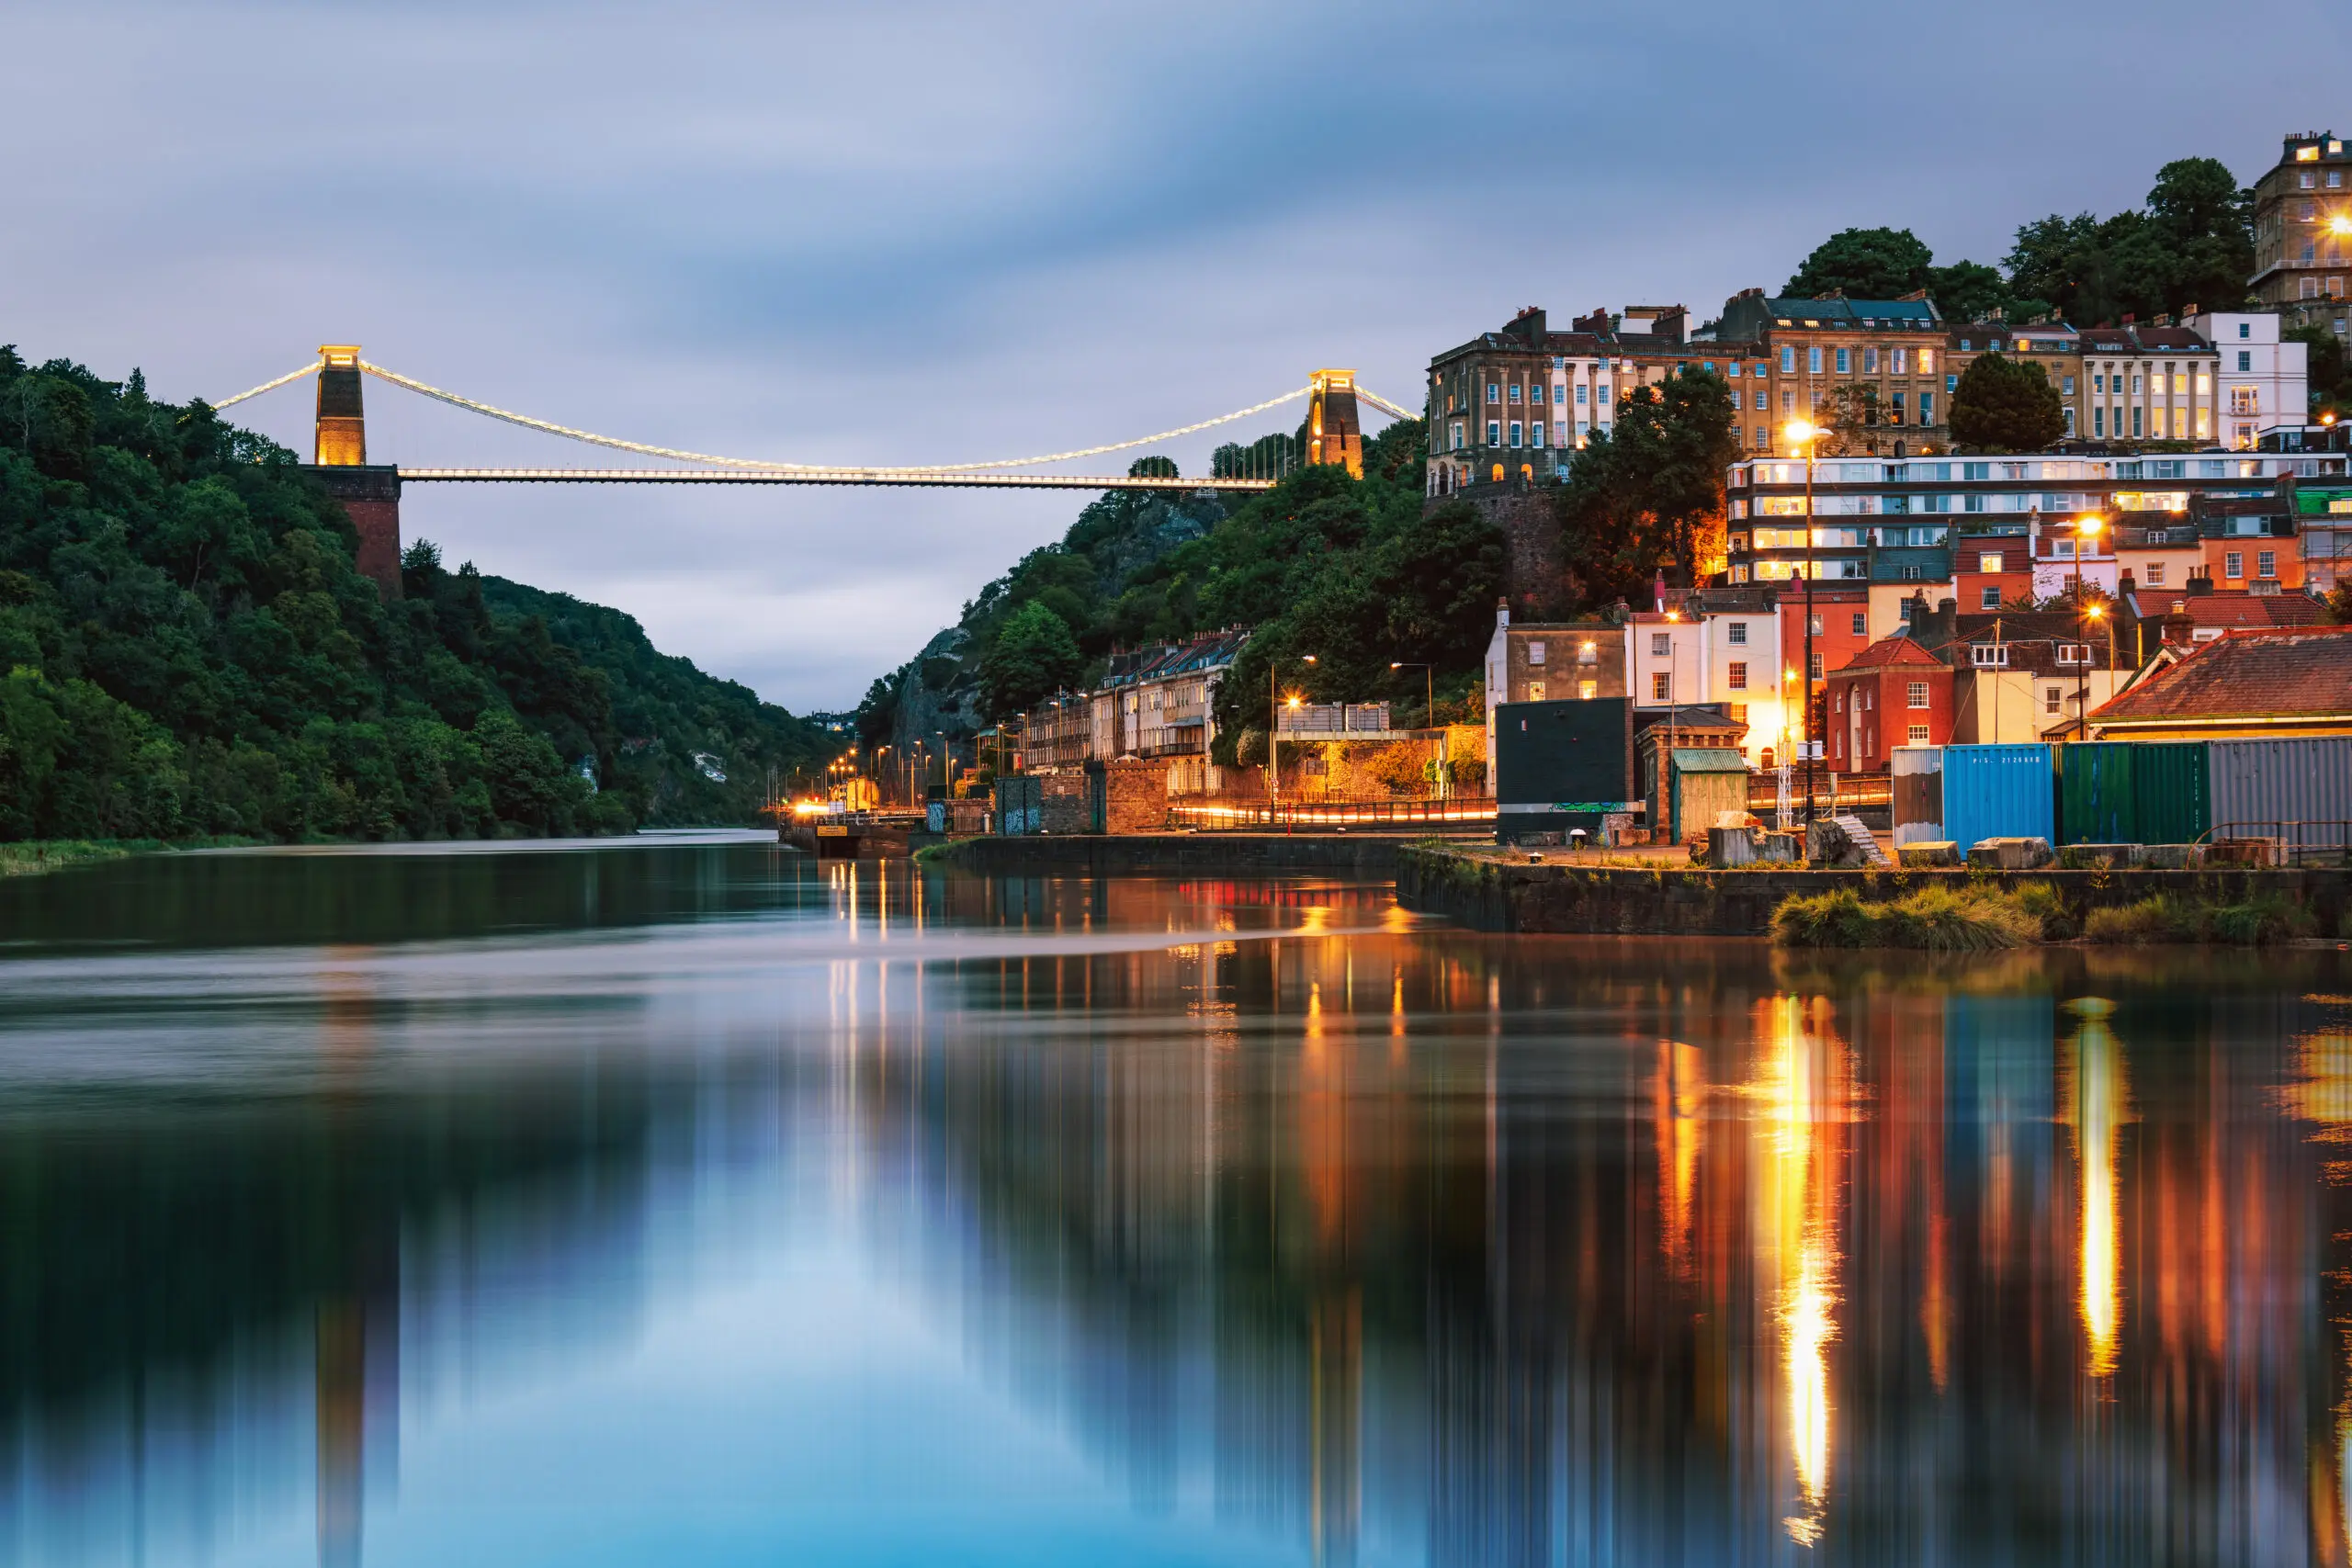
[(1894, 692)]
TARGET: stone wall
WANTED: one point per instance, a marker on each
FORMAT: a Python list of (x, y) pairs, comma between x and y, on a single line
[(1169, 854), (1487, 893), (1536, 579), (1135, 795)]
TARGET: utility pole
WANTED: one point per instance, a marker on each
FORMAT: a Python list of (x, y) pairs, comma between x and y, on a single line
[(1809, 434)]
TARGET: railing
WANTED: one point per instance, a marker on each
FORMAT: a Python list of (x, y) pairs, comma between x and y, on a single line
[(2317, 842), (1851, 789), (1229, 814)]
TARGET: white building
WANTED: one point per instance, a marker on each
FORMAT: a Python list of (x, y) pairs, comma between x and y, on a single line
[(1729, 658), (2264, 381)]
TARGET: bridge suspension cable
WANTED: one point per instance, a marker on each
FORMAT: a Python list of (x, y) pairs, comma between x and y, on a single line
[(1382, 404), (310, 369)]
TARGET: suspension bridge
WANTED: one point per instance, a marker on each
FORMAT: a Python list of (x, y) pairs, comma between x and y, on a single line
[(371, 492)]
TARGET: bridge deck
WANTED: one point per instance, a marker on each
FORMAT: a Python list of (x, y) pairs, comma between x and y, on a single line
[(816, 476)]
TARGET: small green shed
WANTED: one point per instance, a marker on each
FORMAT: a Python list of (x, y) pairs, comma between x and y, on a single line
[(1701, 784)]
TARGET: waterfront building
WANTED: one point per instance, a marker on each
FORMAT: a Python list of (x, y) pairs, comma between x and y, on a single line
[(1156, 703), (1510, 405), (1721, 650), (2263, 382), (1894, 692), (1542, 662), (2299, 253), (1866, 506), (2024, 676), (2151, 383), (2244, 684)]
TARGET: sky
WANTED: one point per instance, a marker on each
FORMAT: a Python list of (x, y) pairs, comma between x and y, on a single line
[(901, 233)]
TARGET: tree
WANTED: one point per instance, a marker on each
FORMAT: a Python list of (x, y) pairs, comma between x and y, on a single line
[(2191, 244), (1865, 264), (1850, 415), (2204, 221), (1034, 654), (1969, 291), (1648, 497), (2006, 405), (2325, 370), (1152, 467)]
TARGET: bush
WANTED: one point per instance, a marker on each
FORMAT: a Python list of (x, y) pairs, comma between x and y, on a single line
[(2045, 904), (2168, 918), (1933, 919)]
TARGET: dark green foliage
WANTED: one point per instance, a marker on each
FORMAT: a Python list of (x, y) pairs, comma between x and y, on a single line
[(2193, 244), (185, 650), (1648, 496), (1932, 919), (2329, 373), (2174, 918), (2006, 405), (1033, 655), (1864, 264), (1152, 468)]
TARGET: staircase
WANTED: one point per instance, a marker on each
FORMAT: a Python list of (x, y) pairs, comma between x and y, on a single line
[(1864, 840)]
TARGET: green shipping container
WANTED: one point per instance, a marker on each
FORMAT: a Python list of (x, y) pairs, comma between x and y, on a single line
[(2095, 793), (2171, 794), (2129, 792)]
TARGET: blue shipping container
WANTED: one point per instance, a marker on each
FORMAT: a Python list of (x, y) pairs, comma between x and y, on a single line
[(1997, 792)]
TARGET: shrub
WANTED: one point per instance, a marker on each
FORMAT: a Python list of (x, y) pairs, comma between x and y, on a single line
[(1933, 919), (2171, 918), (2047, 904)]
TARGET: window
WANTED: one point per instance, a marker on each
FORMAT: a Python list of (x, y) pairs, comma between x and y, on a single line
[(2245, 400), (1582, 389), (1763, 433), (1601, 395), (1861, 623), (1761, 406), (1535, 690), (1951, 384), (1535, 393), (2234, 564), (1870, 362), (1988, 598), (1895, 415), (1494, 432), (2073, 653), (1514, 391), (1926, 361), (2069, 381), (1588, 653), (1989, 655), (1788, 360), (1788, 403), (1899, 361), (1812, 360), (2245, 328), (1536, 429), (2098, 422), (1845, 362), (1736, 676), (2155, 574), (1916, 694), (1661, 691), (1820, 662), (2052, 699), (1989, 561), (2266, 563), (1514, 432), (1736, 633), (1535, 653), (1457, 435), (1661, 644), (2245, 362), (1494, 392), (2135, 420)]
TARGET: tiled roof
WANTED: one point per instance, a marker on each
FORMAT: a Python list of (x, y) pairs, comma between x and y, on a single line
[(2252, 610), (1890, 651), (2247, 674)]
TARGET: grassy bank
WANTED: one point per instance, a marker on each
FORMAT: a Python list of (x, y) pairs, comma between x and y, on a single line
[(32, 857), (1984, 918)]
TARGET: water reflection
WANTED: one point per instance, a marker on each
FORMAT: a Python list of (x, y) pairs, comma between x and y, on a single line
[(863, 1215)]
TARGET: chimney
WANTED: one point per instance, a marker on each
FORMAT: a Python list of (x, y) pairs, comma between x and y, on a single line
[(2199, 587), (1502, 614)]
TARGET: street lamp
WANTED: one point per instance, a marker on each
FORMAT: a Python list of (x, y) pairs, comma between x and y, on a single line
[(1275, 728), (1429, 687), (2083, 671), (1807, 434)]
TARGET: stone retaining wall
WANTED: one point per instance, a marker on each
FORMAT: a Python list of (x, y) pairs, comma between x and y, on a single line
[(1487, 893)]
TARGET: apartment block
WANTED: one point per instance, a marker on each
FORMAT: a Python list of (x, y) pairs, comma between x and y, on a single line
[(1894, 348), (2263, 382), (2302, 231)]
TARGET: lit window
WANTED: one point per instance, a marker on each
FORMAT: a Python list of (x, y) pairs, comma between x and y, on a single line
[(1588, 690), (1661, 643), (1736, 676), (1990, 562), (1917, 734), (1659, 691)]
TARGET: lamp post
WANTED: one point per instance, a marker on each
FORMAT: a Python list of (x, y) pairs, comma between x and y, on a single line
[(2081, 679), (1807, 435), (1275, 728), (2087, 529)]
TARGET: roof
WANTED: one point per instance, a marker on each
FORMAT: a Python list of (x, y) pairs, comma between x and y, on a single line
[(2231, 611), (2245, 674), (1706, 760), (1888, 652)]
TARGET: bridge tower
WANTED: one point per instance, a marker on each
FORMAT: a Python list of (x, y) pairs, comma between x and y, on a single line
[(370, 494), (1333, 431)]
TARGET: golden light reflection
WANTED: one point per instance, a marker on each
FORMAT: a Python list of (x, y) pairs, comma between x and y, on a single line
[(1803, 1094), (2096, 1114), (1679, 1094)]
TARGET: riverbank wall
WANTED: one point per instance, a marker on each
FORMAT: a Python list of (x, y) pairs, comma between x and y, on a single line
[(1486, 892), (1367, 855)]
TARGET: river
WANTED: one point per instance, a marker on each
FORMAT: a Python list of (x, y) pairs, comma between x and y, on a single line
[(686, 1201)]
